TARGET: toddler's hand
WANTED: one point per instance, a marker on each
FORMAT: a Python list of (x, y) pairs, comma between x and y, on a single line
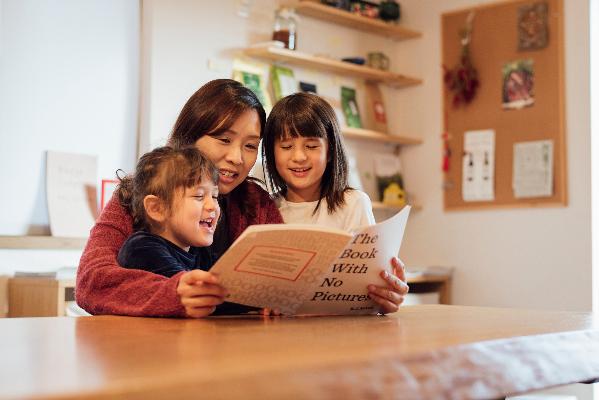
[(391, 296), (200, 293)]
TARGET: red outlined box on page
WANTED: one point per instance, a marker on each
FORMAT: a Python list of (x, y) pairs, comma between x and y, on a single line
[(276, 262)]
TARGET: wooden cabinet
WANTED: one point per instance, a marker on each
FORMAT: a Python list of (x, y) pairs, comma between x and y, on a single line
[(39, 297), (432, 283)]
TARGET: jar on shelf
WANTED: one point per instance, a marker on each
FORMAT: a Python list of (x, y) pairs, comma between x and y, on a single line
[(284, 29)]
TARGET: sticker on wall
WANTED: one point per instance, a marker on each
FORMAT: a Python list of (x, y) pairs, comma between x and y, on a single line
[(518, 84), (533, 169), (532, 26), (478, 166)]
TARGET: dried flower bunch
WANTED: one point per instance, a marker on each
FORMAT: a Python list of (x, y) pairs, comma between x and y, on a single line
[(462, 80)]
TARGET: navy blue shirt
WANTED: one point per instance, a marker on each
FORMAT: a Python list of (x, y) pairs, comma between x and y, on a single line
[(144, 250), (153, 253)]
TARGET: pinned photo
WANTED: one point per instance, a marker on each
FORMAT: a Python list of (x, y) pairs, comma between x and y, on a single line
[(518, 83), (532, 27)]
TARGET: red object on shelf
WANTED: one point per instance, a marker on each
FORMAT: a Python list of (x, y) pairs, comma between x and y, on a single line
[(108, 187)]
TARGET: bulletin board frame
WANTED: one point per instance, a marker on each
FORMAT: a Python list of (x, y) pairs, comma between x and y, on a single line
[(494, 42)]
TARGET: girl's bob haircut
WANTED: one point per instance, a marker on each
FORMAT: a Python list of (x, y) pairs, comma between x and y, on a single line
[(307, 115)]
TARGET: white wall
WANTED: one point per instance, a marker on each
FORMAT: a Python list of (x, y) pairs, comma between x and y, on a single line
[(527, 258), (594, 16), (69, 82)]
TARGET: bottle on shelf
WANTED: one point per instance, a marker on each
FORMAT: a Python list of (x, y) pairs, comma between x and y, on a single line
[(284, 29)]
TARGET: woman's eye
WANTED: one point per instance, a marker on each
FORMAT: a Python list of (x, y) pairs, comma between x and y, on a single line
[(199, 197), (285, 146), (312, 146), (215, 196), (225, 140), (252, 146)]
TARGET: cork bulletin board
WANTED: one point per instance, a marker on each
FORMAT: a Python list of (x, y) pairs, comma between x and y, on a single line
[(495, 41)]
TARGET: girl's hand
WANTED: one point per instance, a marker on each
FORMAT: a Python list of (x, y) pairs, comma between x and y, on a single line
[(391, 296), (200, 293)]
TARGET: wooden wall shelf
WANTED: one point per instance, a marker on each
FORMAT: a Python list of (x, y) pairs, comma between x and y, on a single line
[(328, 64), (345, 18), (367, 134), (42, 242)]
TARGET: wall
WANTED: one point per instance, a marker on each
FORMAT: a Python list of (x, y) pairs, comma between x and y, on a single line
[(594, 16), (68, 73), (527, 258)]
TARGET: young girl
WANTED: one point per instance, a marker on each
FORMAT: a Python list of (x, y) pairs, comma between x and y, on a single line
[(306, 165), (172, 198)]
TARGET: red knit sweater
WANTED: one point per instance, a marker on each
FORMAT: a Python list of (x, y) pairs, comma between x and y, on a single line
[(104, 287)]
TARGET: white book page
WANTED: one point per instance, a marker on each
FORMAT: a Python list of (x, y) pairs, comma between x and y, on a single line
[(343, 288)]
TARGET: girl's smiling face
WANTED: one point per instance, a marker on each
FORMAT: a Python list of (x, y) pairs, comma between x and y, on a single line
[(193, 216), (301, 163), (233, 151)]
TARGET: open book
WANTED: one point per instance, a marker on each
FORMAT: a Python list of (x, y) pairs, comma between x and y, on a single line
[(309, 269)]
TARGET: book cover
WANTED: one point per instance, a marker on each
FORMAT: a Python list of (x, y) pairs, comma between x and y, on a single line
[(283, 81), (254, 83), (254, 75), (309, 269), (350, 107), (375, 116)]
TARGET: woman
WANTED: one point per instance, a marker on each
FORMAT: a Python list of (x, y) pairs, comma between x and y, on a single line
[(225, 121)]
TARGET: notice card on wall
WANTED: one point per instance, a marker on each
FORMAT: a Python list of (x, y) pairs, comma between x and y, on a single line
[(533, 169), (478, 166), (71, 193)]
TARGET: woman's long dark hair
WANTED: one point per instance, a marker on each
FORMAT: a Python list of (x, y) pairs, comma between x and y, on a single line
[(213, 109), (307, 115)]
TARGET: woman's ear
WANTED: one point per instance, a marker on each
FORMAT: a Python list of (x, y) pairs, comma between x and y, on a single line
[(155, 208)]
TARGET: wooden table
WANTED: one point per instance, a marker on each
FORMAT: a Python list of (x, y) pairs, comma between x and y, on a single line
[(422, 352)]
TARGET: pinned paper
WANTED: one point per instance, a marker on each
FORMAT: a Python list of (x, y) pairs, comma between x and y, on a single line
[(478, 166), (533, 169)]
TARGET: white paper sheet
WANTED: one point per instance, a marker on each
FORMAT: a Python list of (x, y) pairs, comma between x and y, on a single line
[(71, 193), (478, 166), (533, 169)]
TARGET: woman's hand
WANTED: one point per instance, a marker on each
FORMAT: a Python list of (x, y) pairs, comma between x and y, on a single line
[(391, 296), (200, 293)]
